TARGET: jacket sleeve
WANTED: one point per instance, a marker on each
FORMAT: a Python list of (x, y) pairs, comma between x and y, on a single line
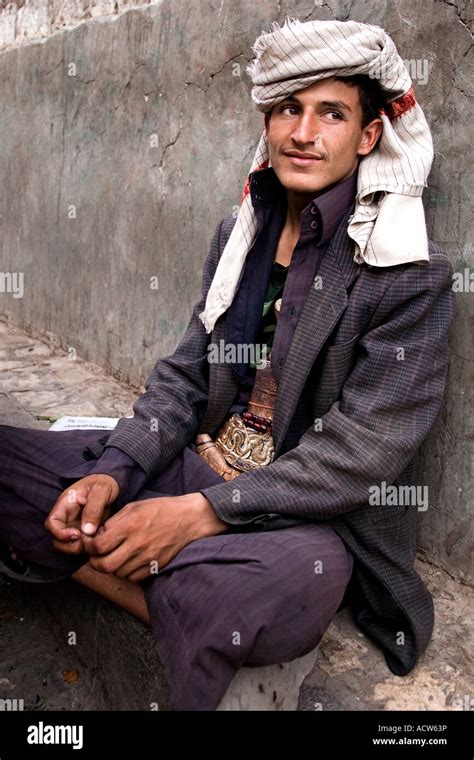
[(167, 415), (387, 407), (126, 472)]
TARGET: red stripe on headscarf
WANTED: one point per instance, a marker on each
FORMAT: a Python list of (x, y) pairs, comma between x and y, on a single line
[(400, 106)]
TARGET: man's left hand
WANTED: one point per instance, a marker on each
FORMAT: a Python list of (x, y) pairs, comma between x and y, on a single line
[(145, 535)]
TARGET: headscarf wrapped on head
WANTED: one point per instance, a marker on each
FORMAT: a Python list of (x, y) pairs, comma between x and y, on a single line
[(388, 224)]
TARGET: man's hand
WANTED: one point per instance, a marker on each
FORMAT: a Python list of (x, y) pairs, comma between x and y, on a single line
[(145, 535), (80, 510)]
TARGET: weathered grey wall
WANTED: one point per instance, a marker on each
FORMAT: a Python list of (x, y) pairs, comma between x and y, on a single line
[(124, 141), (26, 20)]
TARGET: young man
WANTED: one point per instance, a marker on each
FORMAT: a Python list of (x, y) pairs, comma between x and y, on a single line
[(249, 488)]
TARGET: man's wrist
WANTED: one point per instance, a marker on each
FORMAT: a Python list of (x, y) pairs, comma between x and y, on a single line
[(207, 522)]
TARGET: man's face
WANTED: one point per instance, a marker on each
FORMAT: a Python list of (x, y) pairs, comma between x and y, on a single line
[(330, 112)]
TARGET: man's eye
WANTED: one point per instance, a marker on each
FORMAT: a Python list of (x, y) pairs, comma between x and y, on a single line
[(338, 116), (285, 108)]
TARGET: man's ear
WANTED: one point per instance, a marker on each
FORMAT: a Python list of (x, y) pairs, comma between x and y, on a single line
[(370, 136)]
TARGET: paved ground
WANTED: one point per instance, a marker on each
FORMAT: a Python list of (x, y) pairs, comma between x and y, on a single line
[(35, 665), (37, 379)]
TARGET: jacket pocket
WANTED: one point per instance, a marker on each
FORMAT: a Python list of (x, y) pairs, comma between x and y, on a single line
[(343, 348)]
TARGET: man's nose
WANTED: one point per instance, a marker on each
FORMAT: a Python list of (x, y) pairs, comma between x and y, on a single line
[(306, 129)]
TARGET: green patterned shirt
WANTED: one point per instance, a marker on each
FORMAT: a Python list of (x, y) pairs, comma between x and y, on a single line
[(268, 322)]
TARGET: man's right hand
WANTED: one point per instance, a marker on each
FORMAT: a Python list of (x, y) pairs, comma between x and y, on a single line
[(80, 510)]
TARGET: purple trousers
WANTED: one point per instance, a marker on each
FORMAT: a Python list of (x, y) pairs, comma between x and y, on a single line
[(223, 601)]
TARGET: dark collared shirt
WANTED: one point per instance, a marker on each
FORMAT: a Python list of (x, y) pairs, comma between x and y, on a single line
[(319, 221)]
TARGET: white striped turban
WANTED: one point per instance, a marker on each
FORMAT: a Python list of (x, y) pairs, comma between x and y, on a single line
[(388, 224)]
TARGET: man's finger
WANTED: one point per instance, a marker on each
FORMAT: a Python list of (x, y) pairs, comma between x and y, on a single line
[(110, 535), (100, 496), (104, 542), (133, 563), (140, 574), (109, 563), (65, 512), (69, 547)]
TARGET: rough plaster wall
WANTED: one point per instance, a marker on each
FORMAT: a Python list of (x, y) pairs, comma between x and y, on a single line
[(85, 145), (24, 20)]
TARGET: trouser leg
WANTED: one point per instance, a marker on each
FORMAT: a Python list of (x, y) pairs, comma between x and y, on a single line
[(31, 464), (249, 598)]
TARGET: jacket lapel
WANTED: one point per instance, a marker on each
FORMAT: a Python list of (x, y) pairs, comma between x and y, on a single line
[(321, 312), (222, 385)]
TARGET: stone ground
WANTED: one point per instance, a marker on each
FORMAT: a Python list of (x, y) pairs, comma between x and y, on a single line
[(38, 380)]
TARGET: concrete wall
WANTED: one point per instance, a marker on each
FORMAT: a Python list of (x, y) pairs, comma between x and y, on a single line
[(127, 136)]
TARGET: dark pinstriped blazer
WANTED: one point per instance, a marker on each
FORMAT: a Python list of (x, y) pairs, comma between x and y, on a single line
[(374, 410)]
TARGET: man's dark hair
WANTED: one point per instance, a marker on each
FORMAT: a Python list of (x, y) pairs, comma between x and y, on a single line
[(370, 95)]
